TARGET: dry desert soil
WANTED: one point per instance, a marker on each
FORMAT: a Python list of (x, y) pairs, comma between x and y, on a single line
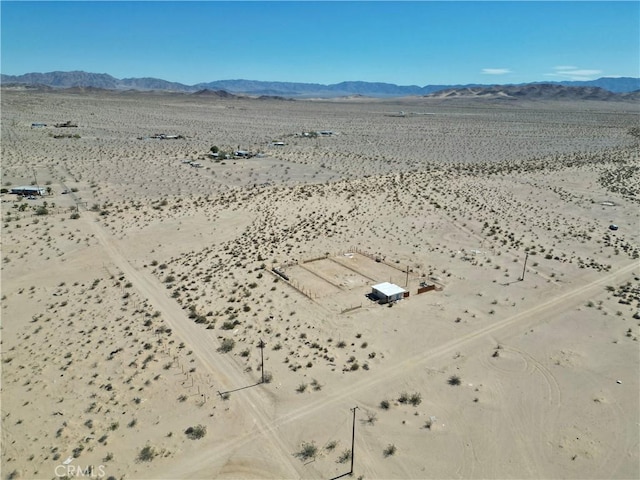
[(142, 296)]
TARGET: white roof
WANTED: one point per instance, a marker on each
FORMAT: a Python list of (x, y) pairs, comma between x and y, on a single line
[(388, 289)]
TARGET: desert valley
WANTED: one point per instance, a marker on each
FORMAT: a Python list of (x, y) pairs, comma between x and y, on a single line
[(191, 295)]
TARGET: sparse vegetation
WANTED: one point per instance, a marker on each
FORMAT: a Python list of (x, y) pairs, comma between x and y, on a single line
[(227, 345), (307, 451), (196, 433), (389, 450), (147, 454)]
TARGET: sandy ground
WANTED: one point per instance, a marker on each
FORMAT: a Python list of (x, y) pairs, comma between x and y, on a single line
[(131, 330)]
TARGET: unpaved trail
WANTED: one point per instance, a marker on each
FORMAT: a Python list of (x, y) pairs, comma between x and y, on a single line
[(522, 320), (204, 346)]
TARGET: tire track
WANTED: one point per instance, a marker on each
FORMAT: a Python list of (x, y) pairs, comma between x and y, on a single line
[(203, 346), (218, 364)]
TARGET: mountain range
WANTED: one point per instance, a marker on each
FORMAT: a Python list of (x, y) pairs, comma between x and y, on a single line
[(620, 85)]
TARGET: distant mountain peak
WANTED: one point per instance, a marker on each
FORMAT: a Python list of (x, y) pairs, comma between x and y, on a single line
[(80, 79)]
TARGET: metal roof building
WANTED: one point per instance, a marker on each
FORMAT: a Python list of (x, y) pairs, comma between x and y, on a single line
[(387, 292), (28, 191)]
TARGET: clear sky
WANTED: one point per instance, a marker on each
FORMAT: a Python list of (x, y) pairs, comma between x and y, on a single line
[(407, 43)]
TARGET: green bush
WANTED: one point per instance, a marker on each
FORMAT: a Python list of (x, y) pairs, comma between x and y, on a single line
[(147, 454), (390, 450), (308, 450), (196, 433), (227, 345)]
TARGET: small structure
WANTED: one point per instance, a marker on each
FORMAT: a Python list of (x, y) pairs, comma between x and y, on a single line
[(387, 292), (38, 125), (28, 191), (164, 136), (67, 124)]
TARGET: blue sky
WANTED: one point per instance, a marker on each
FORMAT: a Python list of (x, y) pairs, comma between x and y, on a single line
[(407, 43)]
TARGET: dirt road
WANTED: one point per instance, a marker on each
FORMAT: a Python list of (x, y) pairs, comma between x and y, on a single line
[(256, 404)]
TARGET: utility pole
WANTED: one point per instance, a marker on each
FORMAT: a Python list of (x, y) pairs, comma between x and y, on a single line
[(353, 438), (525, 265), (261, 345), (406, 283)]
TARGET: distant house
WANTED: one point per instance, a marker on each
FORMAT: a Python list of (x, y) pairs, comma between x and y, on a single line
[(277, 144), (27, 191), (387, 292), (67, 124), (242, 153), (38, 125)]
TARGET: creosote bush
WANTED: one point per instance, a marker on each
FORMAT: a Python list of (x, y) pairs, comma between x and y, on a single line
[(196, 433), (390, 450), (227, 345), (308, 450), (147, 454)]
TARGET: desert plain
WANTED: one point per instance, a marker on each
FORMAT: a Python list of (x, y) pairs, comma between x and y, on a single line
[(171, 314)]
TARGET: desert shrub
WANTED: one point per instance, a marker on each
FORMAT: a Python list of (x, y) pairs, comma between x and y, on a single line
[(372, 417), (390, 450), (384, 404), (227, 345), (77, 451), (196, 433), (415, 399), (345, 456), (308, 450), (147, 454), (454, 380)]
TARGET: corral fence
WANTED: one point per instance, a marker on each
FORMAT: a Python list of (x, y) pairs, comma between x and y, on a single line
[(281, 273)]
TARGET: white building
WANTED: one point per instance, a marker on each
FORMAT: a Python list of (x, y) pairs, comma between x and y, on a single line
[(387, 292), (25, 191)]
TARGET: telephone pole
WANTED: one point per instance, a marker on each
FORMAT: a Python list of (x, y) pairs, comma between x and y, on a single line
[(353, 438), (261, 345), (525, 265)]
